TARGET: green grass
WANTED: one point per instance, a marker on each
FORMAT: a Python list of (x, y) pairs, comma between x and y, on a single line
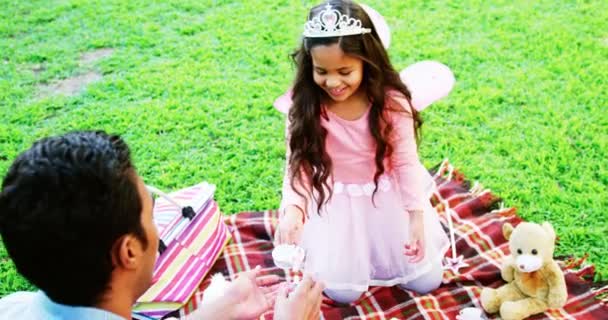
[(190, 86)]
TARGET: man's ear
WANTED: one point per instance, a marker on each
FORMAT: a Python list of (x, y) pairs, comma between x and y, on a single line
[(125, 252)]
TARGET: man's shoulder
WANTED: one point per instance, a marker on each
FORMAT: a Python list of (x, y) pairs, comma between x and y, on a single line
[(18, 305), (21, 297), (36, 305)]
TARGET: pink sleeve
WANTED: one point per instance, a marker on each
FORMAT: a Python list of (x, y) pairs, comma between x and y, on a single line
[(411, 175), (290, 196)]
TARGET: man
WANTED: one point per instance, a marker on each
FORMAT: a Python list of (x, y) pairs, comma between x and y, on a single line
[(77, 221)]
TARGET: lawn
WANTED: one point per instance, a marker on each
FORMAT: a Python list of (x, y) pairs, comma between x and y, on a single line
[(190, 85)]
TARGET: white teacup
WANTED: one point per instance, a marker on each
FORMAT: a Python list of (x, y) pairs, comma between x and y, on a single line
[(289, 257)]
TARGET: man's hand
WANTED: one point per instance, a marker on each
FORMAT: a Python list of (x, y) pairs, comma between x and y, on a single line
[(245, 298), (302, 304), (251, 294)]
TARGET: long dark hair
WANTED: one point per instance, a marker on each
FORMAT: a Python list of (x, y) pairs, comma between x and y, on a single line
[(309, 158)]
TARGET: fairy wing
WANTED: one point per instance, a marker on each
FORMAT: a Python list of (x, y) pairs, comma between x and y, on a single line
[(428, 82), (382, 28), (283, 103)]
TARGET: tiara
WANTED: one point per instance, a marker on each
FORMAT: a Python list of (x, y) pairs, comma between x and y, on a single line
[(331, 23)]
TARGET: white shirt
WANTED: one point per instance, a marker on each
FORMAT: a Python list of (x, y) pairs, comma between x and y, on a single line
[(37, 306)]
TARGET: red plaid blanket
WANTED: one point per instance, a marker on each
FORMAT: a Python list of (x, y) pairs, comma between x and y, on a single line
[(477, 216)]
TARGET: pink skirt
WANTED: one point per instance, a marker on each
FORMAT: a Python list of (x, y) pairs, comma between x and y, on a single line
[(356, 243)]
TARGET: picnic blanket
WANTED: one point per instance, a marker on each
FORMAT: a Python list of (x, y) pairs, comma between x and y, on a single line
[(477, 217)]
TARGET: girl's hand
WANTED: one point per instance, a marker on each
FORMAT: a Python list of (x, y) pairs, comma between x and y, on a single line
[(416, 247), (290, 226)]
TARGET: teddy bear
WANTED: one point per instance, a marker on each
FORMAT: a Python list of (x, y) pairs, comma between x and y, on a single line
[(535, 282)]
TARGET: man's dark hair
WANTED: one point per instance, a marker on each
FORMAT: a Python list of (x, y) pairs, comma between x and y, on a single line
[(64, 203)]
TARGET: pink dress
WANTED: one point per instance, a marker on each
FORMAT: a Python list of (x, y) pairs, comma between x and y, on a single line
[(354, 244)]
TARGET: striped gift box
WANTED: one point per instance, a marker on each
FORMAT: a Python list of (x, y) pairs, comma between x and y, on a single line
[(190, 253)]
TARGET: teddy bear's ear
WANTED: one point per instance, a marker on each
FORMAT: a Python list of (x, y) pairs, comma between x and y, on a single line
[(507, 229), (549, 230)]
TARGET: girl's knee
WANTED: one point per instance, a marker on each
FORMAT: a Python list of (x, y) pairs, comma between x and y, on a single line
[(343, 296), (425, 285), (427, 282)]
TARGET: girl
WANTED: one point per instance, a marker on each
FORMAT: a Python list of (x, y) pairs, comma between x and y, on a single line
[(355, 195)]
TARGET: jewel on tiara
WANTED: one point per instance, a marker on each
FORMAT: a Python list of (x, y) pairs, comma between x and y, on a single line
[(331, 23)]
